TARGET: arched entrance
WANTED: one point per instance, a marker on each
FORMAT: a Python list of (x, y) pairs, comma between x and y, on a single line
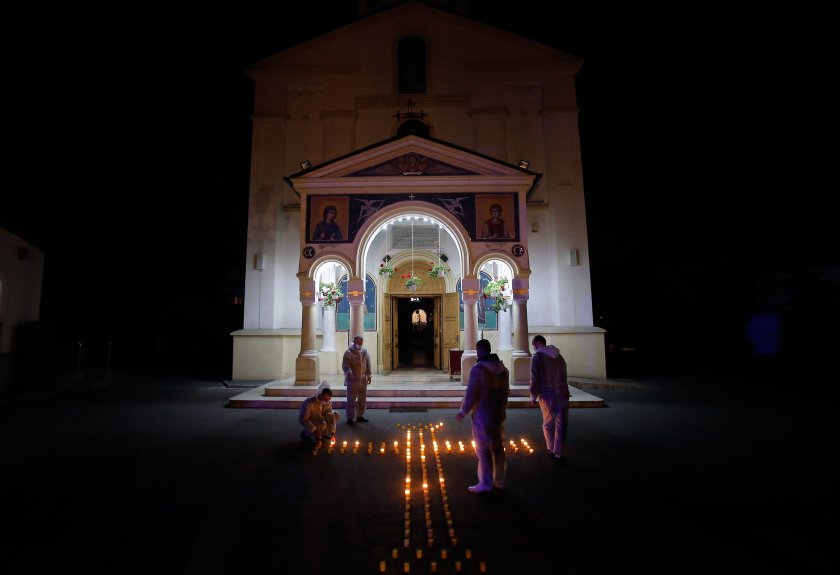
[(416, 331)]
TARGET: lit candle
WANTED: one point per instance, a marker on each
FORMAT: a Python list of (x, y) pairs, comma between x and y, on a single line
[(454, 541), (406, 543), (443, 553), (468, 553), (382, 567), (406, 567), (482, 567), (419, 553), (434, 566), (457, 566), (395, 552)]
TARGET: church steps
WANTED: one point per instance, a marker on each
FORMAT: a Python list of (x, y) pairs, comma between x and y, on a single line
[(285, 396)]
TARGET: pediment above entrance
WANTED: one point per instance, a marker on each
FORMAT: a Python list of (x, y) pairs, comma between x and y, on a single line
[(412, 156)]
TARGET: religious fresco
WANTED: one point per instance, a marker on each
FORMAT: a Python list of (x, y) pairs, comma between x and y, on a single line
[(327, 219), (496, 217), (478, 213)]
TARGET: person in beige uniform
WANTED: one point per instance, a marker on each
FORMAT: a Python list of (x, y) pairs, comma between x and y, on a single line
[(356, 368), (317, 417)]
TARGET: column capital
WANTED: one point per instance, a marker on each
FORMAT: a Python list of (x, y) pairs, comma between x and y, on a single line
[(520, 289), (471, 289), (308, 293), (356, 290)]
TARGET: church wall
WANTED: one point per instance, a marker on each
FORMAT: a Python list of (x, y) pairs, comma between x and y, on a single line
[(507, 99)]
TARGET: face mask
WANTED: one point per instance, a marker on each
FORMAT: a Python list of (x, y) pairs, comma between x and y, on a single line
[(357, 346)]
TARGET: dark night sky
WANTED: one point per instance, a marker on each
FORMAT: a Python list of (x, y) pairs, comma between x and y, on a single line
[(127, 157)]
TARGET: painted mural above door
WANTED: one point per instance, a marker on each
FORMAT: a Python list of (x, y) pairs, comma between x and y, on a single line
[(337, 219), (413, 164)]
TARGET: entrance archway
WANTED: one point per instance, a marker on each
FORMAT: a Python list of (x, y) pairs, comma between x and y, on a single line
[(416, 330)]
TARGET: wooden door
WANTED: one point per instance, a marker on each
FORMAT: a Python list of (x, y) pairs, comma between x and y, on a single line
[(387, 336), (450, 326), (436, 326)]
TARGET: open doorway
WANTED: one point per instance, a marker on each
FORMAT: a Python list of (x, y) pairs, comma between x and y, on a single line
[(415, 325)]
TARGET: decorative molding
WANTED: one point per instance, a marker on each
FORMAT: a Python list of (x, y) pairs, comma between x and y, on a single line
[(394, 102), (528, 67), (339, 114), (285, 71), (496, 111), (565, 110)]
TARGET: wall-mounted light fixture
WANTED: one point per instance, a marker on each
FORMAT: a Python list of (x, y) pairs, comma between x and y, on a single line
[(574, 258), (386, 259), (524, 164), (259, 262), (305, 165), (444, 258)]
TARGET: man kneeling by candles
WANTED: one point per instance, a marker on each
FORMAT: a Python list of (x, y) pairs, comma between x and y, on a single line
[(317, 417)]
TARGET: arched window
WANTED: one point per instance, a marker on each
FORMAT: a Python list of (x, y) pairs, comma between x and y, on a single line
[(370, 304), (411, 65)]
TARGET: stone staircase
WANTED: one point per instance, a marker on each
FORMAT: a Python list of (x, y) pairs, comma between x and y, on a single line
[(400, 389)]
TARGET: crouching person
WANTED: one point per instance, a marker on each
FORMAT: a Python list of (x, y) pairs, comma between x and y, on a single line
[(317, 417)]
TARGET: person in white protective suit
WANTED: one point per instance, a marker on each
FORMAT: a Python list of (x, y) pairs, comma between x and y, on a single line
[(486, 400), (356, 367), (317, 417), (549, 387)]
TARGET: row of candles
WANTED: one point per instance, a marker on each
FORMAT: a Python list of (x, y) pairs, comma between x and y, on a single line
[(443, 553), (523, 446)]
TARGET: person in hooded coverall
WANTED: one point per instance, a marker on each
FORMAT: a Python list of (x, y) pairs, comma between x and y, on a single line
[(317, 417), (356, 367), (549, 387), (486, 400)]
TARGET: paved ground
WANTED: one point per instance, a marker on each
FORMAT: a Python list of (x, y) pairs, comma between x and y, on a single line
[(154, 475)]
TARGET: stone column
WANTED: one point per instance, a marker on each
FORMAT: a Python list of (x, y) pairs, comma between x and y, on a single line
[(328, 339), (356, 294), (306, 365), (471, 293), (504, 330), (521, 356)]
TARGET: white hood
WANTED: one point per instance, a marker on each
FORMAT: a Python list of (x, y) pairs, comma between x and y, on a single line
[(549, 350)]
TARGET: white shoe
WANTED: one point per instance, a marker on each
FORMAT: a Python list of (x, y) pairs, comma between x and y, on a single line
[(479, 488)]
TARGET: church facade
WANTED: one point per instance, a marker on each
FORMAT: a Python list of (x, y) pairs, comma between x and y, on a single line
[(416, 179)]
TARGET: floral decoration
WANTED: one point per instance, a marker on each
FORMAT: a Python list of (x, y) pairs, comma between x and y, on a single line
[(329, 294), (386, 270), (493, 290), (437, 270), (411, 280)]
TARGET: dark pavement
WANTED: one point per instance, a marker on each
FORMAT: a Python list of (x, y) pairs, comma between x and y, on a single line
[(678, 474)]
